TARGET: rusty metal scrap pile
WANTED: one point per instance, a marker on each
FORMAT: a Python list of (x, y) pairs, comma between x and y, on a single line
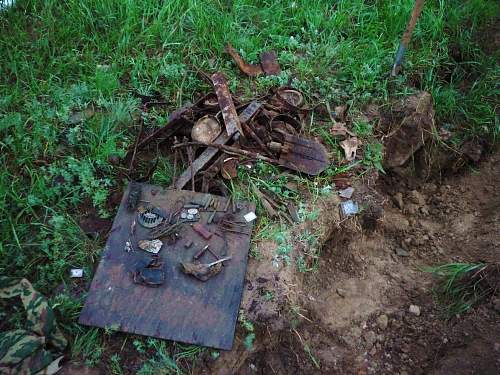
[(215, 133)]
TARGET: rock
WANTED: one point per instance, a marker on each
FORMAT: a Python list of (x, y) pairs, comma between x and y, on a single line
[(398, 200), (383, 321), (370, 338), (412, 208), (416, 197), (402, 252), (424, 210), (415, 310)]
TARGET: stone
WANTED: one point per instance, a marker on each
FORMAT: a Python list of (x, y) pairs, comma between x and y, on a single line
[(402, 252), (416, 197), (383, 321), (370, 338), (398, 200), (415, 310)]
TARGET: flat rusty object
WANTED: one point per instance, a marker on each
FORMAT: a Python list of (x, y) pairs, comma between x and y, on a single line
[(304, 155), (201, 161), (229, 114), (269, 63), (182, 308), (252, 70), (209, 152)]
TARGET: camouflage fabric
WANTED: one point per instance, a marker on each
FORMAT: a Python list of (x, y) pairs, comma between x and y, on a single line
[(23, 351)]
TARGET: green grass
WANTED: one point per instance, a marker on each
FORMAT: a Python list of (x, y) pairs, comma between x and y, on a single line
[(64, 58), (463, 285)]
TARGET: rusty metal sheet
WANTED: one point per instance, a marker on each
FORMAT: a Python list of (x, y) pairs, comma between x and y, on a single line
[(183, 308), (209, 153), (304, 155), (252, 70), (201, 161), (226, 104), (270, 64)]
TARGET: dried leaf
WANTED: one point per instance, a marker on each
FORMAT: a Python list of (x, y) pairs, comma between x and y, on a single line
[(338, 129), (350, 147)]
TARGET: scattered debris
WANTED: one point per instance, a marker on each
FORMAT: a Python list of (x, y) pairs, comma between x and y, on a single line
[(339, 129), (346, 193), (151, 246), (268, 63), (201, 271), (206, 129), (350, 147), (230, 168), (150, 274), (349, 208), (76, 272), (195, 226)]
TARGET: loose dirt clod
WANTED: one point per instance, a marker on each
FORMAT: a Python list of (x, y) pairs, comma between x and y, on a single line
[(415, 310)]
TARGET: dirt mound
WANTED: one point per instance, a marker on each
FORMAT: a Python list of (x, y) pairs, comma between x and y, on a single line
[(353, 314)]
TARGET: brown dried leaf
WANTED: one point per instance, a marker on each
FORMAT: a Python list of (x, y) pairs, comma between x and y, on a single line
[(350, 147), (338, 129)]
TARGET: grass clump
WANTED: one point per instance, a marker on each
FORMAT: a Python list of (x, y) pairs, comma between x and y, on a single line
[(463, 285)]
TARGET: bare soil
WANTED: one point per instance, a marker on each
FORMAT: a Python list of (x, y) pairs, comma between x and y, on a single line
[(352, 316)]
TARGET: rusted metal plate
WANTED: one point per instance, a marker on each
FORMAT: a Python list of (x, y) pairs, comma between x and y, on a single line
[(270, 64), (201, 161), (304, 155), (226, 104), (252, 70), (183, 308), (209, 153)]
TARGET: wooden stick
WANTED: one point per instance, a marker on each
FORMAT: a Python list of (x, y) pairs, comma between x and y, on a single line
[(230, 150)]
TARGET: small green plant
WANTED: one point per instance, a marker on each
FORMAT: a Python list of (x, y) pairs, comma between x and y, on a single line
[(373, 156), (362, 129), (462, 285), (88, 345), (139, 346), (248, 326), (115, 367), (268, 295)]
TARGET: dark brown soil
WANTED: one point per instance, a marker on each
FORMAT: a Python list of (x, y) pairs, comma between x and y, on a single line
[(329, 321)]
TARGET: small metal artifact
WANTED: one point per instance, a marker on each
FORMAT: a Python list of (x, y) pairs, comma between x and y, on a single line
[(153, 246), (201, 271), (150, 274), (206, 129), (149, 219)]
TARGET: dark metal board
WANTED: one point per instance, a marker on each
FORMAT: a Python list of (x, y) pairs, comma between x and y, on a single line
[(183, 308)]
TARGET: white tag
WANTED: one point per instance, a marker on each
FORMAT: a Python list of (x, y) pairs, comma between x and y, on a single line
[(76, 272), (250, 216)]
